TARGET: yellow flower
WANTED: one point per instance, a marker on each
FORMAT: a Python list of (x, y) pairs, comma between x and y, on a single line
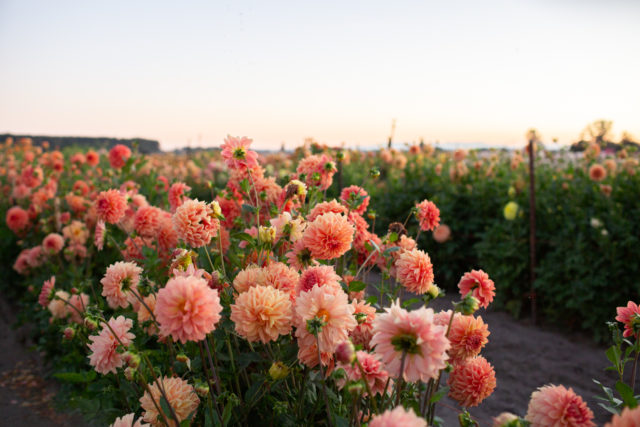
[(511, 210)]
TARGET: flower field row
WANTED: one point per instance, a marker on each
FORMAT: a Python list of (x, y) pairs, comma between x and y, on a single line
[(234, 289)]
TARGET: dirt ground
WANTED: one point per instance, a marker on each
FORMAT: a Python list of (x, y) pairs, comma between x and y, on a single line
[(524, 358), (25, 396)]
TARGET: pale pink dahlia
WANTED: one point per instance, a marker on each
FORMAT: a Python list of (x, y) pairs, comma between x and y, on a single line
[(46, 293), (57, 306), (428, 215), (322, 275), (628, 418), (120, 279), (481, 287), (180, 395), (128, 421), (247, 278), (187, 309), (555, 406), (627, 315), (415, 271), (195, 224), (374, 372), (398, 417), (280, 276), (262, 313), (104, 356), (329, 236), (471, 381), (331, 305), (415, 334), (236, 153), (110, 206)]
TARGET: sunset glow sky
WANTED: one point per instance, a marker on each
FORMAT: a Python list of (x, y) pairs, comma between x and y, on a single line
[(458, 71)]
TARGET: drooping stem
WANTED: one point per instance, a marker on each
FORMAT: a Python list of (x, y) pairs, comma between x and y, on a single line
[(401, 377)]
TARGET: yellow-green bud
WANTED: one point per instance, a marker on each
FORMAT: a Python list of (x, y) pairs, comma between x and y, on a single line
[(278, 371)]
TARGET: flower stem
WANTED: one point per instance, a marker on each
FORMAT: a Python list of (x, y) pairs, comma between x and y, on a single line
[(366, 384), (401, 377), (324, 386)]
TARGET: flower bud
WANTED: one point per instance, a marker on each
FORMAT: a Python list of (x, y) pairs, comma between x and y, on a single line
[(202, 389), (345, 352), (278, 371), (468, 305), (69, 333), (183, 358), (506, 419), (130, 373), (90, 324), (131, 359), (374, 172), (266, 234), (356, 388)]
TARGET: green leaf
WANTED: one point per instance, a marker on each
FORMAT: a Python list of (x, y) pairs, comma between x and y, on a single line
[(410, 302), (357, 286), (438, 395), (626, 393), (393, 237), (76, 377), (372, 299), (166, 409), (248, 208)]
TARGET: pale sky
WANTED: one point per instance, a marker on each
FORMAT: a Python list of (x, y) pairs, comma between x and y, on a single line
[(453, 71)]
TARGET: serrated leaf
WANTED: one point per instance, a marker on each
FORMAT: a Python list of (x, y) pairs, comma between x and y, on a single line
[(357, 286)]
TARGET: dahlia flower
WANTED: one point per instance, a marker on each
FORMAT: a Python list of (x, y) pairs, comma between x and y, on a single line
[(104, 356), (329, 236), (127, 421), (187, 309), (47, 291), (280, 276), (428, 215), (262, 313), (398, 417), (415, 271), (53, 243), (555, 406), (147, 221), (628, 418), (375, 374), (247, 278), (365, 315), (120, 279), (414, 334), (195, 224), (471, 381), (481, 287), (325, 207), (110, 206), (468, 335), (597, 172), (236, 153), (629, 316), (177, 195), (17, 219), (351, 196), (119, 155), (322, 275), (179, 394), (441, 233), (331, 305), (504, 419)]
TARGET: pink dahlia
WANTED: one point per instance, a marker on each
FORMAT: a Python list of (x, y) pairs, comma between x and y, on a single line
[(365, 314), (398, 417), (148, 220), (120, 279), (195, 224), (57, 306), (299, 257), (76, 233), (472, 381), (329, 304), (179, 394), (119, 155), (17, 219), (481, 287), (236, 153), (415, 334), (415, 271), (356, 198), (504, 419), (318, 170), (555, 406), (177, 195), (428, 215), (262, 313), (322, 275), (128, 421), (110, 206), (104, 356), (93, 158), (247, 278), (280, 276), (146, 312), (187, 309), (329, 236), (468, 335), (53, 243), (325, 207), (46, 293), (374, 372), (79, 302), (597, 172), (628, 418), (628, 316), (441, 233)]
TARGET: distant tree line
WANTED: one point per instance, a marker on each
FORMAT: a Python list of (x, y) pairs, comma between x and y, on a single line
[(60, 142), (599, 132)]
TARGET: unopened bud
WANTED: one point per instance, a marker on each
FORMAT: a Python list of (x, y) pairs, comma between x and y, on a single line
[(340, 155), (345, 352), (131, 359), (468, 305), (278, 371), (130, 373), (183, 358), (69, 333), (266, 234), (506, 419), (74, 290), (90, 324), (215, 207), (374, 172), (356, 388), (202, 389)]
